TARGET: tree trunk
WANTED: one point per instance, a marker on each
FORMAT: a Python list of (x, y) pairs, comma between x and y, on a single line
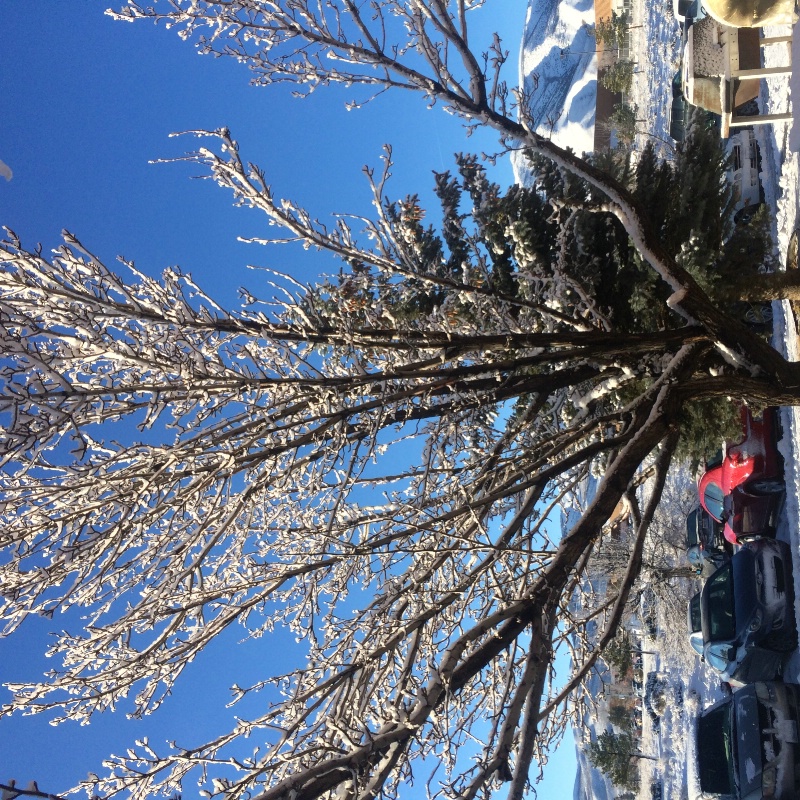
[(766, 286), (662, 575)]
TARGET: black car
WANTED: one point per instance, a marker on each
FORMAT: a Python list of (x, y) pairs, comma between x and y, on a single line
[(705, 540), (747, 613), (747, 744)]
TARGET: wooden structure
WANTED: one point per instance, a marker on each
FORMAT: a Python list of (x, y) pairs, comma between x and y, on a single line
[(737, 71)]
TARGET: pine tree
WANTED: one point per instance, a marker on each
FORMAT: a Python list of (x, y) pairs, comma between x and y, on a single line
[(612, 754), (618, 77), (623, 122), (619, 653), (620, 717), (611, 31)]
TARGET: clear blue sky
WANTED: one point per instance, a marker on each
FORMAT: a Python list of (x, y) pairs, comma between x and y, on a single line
[(86, 104)]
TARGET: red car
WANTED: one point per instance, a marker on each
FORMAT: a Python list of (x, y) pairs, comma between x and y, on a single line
[(742, 488)]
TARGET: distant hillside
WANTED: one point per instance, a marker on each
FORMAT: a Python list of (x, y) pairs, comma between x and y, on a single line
[(558, 70)]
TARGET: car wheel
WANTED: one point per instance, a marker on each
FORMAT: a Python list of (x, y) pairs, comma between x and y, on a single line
[(759, 315), (767, 486)]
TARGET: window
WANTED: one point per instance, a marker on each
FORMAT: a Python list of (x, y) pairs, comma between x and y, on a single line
[(695, 620), (737, 157), (713, 498), (715, 759)]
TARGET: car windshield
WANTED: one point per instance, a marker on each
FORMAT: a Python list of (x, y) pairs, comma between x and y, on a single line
[(714, 736), (713, 499), (719, 603)]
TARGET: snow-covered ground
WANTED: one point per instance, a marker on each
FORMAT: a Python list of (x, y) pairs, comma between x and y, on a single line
[(779, 144), (558, 74), (656, 48)]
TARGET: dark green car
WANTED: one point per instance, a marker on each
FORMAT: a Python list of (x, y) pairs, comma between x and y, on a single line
[(747, 744)]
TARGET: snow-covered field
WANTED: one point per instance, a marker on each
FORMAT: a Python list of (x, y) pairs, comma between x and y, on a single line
[(558, 70)]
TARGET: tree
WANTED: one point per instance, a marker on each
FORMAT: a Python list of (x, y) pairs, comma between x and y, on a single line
[(664, 565), (619, 653), (611, 31), (10, 791), (618, 76), (623, 122), (612, 752), (620, 717), (355, 438)]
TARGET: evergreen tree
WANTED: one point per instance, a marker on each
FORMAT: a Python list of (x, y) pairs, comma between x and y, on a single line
[(611, 31), (612, 754), (620, 717), (619, 653), (554, 242), (623, 122), (618, 77)]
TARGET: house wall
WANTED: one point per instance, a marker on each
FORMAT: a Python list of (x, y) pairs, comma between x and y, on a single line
[(607, 101)]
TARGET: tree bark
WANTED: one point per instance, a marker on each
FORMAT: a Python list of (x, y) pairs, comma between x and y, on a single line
[(766, 286)]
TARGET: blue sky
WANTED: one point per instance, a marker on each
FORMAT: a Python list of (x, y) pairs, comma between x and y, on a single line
[(87, 103)]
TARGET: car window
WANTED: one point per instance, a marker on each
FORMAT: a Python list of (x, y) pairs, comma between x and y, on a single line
[(706, 526), (714, 736), (719, 602), (713, 500)]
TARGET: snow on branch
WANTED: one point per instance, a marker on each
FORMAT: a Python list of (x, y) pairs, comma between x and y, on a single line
[(250, 480)]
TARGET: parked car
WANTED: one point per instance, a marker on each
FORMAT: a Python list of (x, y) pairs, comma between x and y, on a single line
[(747, 744), (705, 541), (746, 612), (743, 487), (687, 9)]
